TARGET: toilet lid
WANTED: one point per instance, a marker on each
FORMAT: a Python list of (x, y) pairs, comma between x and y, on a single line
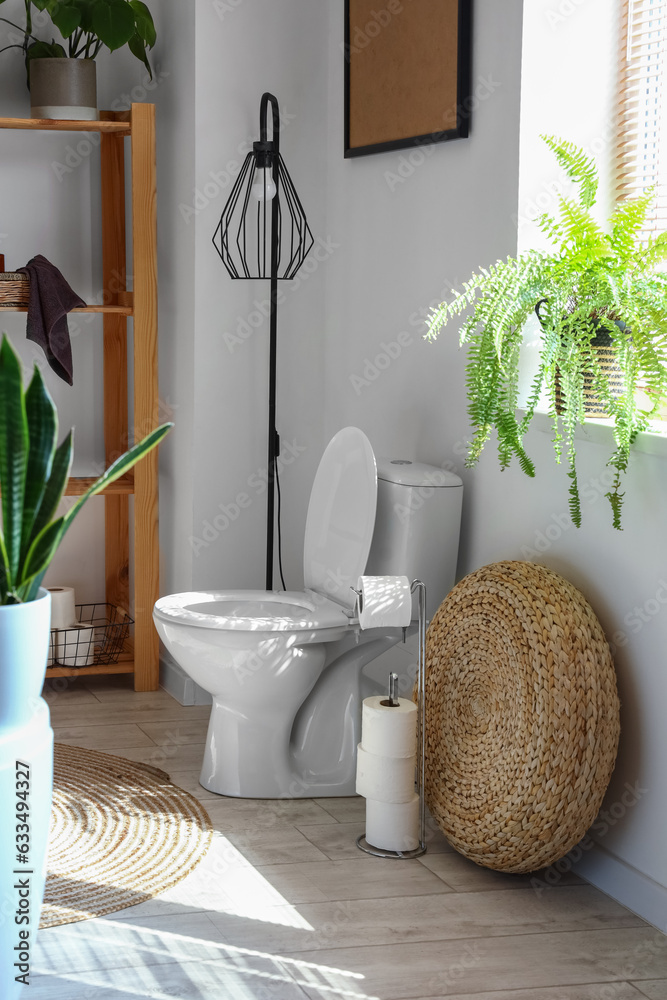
[(341, 517)]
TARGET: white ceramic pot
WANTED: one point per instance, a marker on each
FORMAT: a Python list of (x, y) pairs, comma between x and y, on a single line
[(26, 782)]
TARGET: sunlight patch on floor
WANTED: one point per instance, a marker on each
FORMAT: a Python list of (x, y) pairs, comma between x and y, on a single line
[(164, 960), (225, 882)]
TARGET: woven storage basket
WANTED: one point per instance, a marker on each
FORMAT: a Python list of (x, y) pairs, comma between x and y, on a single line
[(14, 289), (522, 716)]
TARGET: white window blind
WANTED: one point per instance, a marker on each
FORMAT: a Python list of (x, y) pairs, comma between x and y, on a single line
[(642, 141)]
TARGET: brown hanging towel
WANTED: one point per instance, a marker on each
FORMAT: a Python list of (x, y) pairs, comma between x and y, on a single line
[(51, 299)]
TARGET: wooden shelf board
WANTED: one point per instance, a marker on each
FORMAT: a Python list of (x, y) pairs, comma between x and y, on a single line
[(58, 125), (126, 667), (109, 310), (78, 485)]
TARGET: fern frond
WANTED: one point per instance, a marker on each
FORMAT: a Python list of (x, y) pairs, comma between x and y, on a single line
[(508, 435), (583, 237), (626, 222), (616, 502), (579, 168), (655, 252), (574, 503)]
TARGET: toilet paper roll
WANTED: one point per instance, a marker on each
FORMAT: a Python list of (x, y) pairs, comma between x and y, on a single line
[(385, 601), (393, 826), (386, 731), (63, 611), (387, 779), (75, 646)]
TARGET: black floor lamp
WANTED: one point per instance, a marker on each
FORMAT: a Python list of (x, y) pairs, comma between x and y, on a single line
[(263, 233)]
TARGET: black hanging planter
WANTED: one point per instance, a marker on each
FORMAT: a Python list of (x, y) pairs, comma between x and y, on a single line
[(602, 344)]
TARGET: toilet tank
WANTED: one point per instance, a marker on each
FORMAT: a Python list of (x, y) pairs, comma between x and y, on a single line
[(417, 526)]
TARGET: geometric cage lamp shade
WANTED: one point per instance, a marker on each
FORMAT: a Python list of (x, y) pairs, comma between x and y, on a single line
[(263, 214), (263, 233)]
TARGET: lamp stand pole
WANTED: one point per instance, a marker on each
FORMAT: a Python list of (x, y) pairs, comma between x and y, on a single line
[(274, 440)]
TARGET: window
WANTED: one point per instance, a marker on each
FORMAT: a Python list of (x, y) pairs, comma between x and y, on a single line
[(642, 141)]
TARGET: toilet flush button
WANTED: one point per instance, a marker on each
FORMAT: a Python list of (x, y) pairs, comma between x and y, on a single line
[(401, 461)]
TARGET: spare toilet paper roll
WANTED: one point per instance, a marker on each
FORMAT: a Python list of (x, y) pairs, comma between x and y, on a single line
[(393, 826), (387, 779), (385, 601), (387, 731), (63, 611), (75, 646)]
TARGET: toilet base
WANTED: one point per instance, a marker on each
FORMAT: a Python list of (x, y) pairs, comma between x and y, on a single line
[(296, 788), (311, 755), (246, 757)]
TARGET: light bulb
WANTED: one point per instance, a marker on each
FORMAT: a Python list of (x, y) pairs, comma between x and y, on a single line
[(264, 188)]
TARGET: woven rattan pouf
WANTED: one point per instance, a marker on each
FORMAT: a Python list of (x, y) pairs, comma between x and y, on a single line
[(522, 716)]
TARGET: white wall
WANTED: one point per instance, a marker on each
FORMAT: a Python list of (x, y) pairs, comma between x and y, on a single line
[(174, 96), (411, 225), (240, 52)]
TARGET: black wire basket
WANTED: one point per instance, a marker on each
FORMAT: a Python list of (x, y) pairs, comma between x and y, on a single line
[(97, 638)]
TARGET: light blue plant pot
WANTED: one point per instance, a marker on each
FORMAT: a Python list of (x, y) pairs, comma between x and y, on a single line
[(26, 738)]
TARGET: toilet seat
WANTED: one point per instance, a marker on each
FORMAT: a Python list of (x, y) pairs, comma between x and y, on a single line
[(252, 610), (339, 532)]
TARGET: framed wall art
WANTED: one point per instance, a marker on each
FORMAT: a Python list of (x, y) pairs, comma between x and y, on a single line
[(407, 73)]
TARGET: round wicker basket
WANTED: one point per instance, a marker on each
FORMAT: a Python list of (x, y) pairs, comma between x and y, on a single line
[(14, 289), (522, 716)]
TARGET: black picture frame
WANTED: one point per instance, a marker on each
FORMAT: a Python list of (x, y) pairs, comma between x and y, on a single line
[(463, 87)]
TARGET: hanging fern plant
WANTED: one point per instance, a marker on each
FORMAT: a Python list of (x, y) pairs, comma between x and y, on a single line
[(596, 280)]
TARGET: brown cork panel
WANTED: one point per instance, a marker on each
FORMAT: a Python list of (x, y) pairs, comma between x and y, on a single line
[(403, 69)]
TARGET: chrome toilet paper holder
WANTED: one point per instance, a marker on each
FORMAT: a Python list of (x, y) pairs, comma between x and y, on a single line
[(362, 843)]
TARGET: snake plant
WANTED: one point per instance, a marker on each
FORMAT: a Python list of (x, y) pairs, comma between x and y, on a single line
[(594, 277), (34, 471)]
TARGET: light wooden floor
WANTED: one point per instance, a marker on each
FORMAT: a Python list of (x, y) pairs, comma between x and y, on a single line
[(285, 906)]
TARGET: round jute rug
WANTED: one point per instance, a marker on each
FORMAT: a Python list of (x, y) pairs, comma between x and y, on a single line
[(121, 833)]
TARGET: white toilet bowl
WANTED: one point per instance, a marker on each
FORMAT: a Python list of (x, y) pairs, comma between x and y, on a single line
[(284, 669), (259, 654)]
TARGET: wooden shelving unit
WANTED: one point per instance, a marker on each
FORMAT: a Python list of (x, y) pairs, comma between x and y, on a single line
[(137, 125)]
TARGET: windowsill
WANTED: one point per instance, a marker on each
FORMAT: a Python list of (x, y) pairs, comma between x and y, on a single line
[(651, 442)]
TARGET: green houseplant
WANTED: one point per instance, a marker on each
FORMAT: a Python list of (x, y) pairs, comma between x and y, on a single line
[(33, 474), (87, 26), (62, 81), (596, 280)]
